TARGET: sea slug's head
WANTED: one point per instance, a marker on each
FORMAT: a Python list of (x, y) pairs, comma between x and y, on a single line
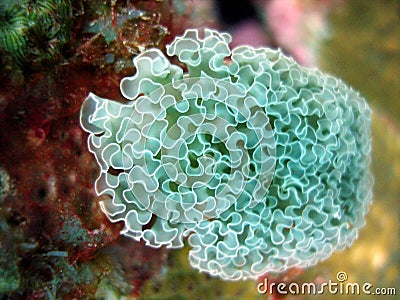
[(260, 163)]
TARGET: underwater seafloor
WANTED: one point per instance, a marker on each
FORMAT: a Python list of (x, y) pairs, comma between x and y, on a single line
[(55, 243)]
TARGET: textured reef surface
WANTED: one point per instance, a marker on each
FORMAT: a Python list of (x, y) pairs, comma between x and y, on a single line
[(262, 163), (54, 242)]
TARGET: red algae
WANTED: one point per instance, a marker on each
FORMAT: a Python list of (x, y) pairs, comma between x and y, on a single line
[(59, 241)]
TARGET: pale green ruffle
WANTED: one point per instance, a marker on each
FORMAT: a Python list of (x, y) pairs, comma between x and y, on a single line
[(262, 163)]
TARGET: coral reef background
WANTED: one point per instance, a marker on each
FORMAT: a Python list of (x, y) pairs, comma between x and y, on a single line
[(56, 243)]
